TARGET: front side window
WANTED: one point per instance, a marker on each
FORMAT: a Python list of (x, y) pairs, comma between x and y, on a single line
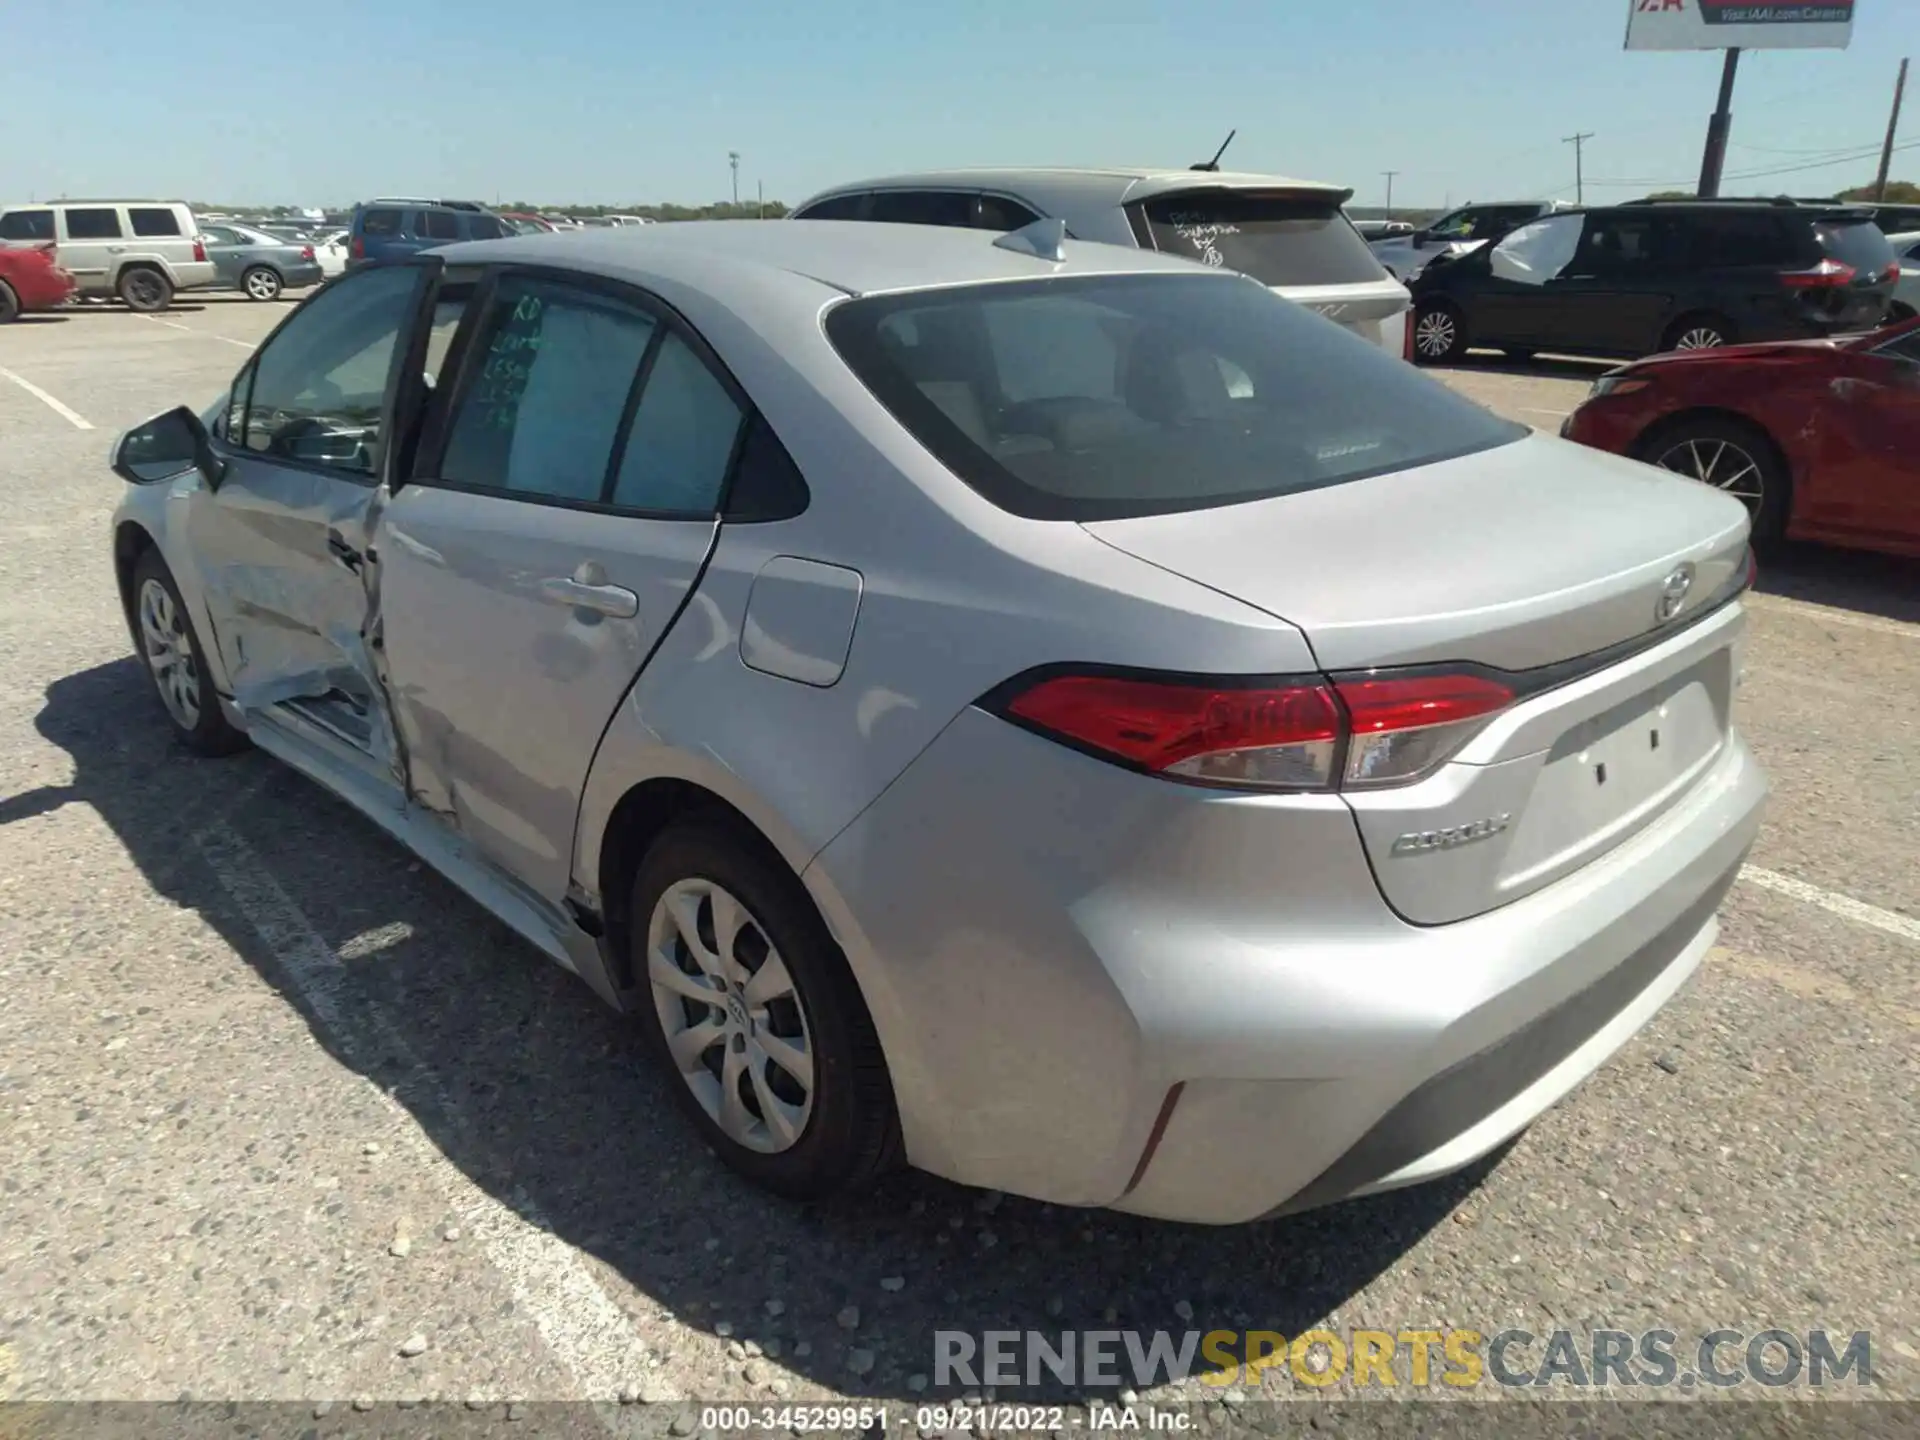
[(153, 221), (438, 225), (1460, 225), (486, 227), (1166, 393), (26, 225), (92, 224), (320, 385), (1625, 246), (1278, 239), (1537, 253), (682, 439), (838, 207), (551, 375)]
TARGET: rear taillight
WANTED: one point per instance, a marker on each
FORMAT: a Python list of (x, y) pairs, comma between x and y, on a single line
[(357, 248), (199, 248), (306, 252), (1306, 734), (1827, 275)]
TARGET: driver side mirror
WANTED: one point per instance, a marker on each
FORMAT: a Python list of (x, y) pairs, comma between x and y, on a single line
[(167, 446), (1421, 237)]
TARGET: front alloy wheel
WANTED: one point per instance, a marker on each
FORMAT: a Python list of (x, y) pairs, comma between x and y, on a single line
[(1721, 463), (733, 1021), (1436, 335), (169, 654), (1699, 337)]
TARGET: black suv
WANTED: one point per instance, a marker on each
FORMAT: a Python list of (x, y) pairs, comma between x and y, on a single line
[(1631, 279)]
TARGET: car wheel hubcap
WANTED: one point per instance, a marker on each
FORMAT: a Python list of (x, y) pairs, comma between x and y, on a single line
[(1700, 338), (1721, 464), (163, 634), (262, 286), (732, 1017), (1434, 334), (145, 291)]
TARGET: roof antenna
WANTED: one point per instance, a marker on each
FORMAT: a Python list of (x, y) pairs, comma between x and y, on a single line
[(1044, 239), (1214, 163)]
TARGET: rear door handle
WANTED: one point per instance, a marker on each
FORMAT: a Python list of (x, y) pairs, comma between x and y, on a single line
[(604, 599)]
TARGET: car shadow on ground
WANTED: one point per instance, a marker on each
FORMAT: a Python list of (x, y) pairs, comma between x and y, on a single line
[(548, 1102), (1886, 586)]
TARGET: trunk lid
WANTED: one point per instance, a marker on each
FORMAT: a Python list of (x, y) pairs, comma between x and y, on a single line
[(1538, 557)]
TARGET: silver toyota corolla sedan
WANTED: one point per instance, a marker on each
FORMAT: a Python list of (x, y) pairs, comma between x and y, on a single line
[(1056, 715)]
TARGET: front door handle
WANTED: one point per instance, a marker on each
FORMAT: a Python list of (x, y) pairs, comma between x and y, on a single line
[(587, 589)]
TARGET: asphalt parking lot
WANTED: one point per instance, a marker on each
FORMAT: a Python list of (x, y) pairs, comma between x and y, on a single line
[(287, 1117)]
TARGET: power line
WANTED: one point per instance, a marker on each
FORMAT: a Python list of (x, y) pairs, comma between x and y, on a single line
[(1843, 159)]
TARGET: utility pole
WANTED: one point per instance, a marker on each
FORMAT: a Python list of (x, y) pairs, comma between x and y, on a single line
[(733, 159), (1389, 174), (1893, 124), (1579, 143), (1714, 160), (760, 198)]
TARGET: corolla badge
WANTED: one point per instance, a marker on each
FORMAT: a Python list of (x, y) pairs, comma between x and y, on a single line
[(1673, 594), (1422, 842)]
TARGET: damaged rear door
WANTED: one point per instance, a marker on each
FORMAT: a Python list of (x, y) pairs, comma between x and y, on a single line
[(282, 540), (560, 511)]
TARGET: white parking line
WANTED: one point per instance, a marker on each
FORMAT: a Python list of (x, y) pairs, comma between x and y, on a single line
[(1538, 410), (1833, 903), (204, 335), (582, 1326), (79, 421)]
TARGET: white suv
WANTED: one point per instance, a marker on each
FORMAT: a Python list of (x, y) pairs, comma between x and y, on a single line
[(140, 250), (1406, 254), (1290, 235)]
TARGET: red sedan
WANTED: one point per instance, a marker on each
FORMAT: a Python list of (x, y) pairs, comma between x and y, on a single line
[(31, 279), (1821, 438)]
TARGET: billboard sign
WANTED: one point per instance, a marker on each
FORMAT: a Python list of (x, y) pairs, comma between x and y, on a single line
[(1726, 24)]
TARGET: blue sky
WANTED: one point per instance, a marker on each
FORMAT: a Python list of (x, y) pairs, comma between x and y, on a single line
[(325, 101)]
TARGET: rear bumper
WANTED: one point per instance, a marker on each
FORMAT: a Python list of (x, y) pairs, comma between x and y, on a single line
[(1071, 967)]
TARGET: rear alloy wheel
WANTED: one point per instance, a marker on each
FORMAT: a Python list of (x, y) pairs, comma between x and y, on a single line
[(145, 290), (262, 282), (1732, 458), (1438, 334), (751, 1009), (172, 653), (1698, 332)]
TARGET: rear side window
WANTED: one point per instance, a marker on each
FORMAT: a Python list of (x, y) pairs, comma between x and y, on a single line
[(153, 221), (549, 387), (1099, 397), (26, 225), (682, 439), (438, 225), (1859, 243), (485, 227), (996, 212), (101, 224), (1277, 239), (922, 207), (380, 222), (837, 207), (1736, 238)]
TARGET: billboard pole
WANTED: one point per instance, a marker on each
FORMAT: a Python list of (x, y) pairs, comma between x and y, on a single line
[(1715, 158)]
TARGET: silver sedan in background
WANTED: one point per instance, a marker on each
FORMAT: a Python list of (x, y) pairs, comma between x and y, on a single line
[(1058, 715), (258, 264)]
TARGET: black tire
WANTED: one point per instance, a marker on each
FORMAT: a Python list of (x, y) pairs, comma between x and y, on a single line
[(9, 304), (262, 282), (1703, 331), (1439, 333), (1724, 446), (1899, 313), (145, 289), (852, 1134), (207, 731)]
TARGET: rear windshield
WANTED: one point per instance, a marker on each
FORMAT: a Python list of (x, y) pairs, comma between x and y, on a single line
[(1099, 397), (1859, 243), (1277, 239)]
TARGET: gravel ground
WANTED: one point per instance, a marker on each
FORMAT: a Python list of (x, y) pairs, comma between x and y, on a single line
[(287, 1118)]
